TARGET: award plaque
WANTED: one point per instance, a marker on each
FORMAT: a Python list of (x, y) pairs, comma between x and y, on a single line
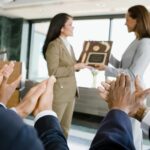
[(96, 52)]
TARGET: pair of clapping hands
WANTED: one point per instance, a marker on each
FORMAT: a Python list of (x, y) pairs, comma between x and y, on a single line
[(118, 95), (39, 98)]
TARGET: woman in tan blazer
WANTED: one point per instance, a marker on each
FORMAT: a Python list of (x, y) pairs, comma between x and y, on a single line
[(62, 64)]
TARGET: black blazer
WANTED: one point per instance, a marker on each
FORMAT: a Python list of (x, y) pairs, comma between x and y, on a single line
[(50, 133), (114, 134), (16, 135)]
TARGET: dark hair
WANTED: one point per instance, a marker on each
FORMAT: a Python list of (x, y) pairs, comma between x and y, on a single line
[(57, 22), (142, 16)]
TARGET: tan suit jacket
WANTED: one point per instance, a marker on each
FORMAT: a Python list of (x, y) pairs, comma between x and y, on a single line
[(61, 64)]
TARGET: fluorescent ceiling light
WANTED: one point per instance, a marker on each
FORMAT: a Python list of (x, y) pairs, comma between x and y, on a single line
[(8, 4)]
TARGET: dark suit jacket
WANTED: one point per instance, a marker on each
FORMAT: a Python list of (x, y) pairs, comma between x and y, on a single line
[(16, 135), (50, 133), (114, 134)]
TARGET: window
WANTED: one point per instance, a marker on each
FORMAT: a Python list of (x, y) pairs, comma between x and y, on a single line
[(37, 64), (120, 37), (86, 29), (94, 29)]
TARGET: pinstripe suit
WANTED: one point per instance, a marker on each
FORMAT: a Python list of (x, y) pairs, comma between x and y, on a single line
[(134, 62), (61, 64)]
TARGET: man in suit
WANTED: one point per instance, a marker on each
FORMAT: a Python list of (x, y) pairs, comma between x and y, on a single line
[(115, 130), (14, 133), (120, 99)]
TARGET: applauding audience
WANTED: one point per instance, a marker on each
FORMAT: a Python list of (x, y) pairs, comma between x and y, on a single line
[(115, 130), (15, 134), (131, 103)]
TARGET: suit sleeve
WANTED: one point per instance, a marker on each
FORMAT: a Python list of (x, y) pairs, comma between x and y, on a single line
[(53, 62), (139, 64), (15, 134), (115, 132), (115, 62), (49, 131)]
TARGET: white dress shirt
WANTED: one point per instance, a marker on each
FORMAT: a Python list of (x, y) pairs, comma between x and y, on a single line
[(67, 44), (44, 113), (38, 116), (145, 124), (3, 105)]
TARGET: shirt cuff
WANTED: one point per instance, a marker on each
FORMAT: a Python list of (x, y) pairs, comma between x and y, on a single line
[(145, 124), (3, 105), (44, 113), (14, 109)]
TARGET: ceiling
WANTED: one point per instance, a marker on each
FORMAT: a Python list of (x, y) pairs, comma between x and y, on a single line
[(37, 9)]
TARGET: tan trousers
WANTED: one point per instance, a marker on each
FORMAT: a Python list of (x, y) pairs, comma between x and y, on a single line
[(64, 112)]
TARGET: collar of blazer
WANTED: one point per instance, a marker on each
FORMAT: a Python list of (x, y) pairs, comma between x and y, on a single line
[(66, 51)]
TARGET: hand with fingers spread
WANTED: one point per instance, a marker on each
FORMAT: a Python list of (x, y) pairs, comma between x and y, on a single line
[(120, 94), (139, 96)]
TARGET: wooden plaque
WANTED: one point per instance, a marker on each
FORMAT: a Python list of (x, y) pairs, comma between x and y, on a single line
[(96, 52)]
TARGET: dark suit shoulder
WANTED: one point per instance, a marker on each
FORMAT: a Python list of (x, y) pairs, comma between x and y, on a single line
[(49, 130), (14, 130), (115, 132), (49, 121)]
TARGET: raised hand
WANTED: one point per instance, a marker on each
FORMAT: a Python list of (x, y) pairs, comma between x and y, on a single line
[(7, 89), (138, 98), (120, 94), (104, 89), (46, 99), (29, 102)]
